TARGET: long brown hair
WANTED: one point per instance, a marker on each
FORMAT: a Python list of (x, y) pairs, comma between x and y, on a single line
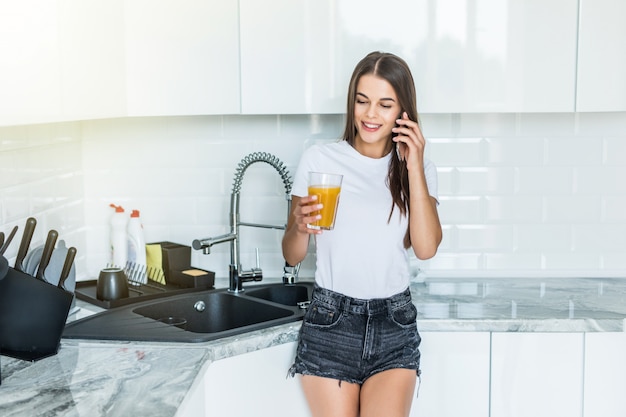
[(396, 72)]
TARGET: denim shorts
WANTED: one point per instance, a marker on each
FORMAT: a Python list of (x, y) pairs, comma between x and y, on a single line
[(350, 339)]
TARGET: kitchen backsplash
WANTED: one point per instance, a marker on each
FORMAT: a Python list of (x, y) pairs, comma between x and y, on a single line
[(520, 194)]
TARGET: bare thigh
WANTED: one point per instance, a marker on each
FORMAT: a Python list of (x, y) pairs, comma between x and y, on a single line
[(388, 393), (327, 398)]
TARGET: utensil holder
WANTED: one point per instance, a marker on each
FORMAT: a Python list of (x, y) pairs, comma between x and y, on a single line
[(32, 316)]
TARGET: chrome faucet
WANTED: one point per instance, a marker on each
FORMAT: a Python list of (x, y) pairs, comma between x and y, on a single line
[(236, 274)]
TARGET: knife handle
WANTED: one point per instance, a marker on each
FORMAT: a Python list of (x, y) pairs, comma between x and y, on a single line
[(29, 230), (67, 266), (7, 242), (47, 253)]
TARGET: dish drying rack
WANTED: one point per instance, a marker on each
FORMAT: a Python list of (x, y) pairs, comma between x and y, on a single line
[(139, 275), (143, 284)]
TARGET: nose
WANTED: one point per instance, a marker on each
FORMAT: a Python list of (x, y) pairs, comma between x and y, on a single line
[(370, 111)]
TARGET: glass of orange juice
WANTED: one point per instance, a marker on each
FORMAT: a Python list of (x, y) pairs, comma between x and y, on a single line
[(327, 188)]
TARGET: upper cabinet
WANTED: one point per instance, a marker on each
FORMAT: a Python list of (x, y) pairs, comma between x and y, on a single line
[(496, 56), (182, 58), (91, 38), (30, 67), (466, 56), (602, 56), (290, 60), (74, 60)]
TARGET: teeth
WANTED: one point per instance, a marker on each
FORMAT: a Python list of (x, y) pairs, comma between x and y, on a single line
[(370, 126)]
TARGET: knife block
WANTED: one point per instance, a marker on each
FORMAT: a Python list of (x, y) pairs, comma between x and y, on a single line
[(32, 316)]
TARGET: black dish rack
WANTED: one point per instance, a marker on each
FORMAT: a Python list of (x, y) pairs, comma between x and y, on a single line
[(86, 290)]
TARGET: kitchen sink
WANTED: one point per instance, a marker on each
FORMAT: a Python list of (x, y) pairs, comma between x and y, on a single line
[(197, 317), (212, 312), (289, 295)]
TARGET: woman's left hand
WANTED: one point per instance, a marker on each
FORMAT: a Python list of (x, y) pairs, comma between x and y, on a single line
[(410, 142)]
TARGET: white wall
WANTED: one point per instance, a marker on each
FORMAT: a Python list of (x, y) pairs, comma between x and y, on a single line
[(41, 175), (521, 194)]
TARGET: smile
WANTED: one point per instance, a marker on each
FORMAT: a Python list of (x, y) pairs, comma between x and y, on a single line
[(370, 126)]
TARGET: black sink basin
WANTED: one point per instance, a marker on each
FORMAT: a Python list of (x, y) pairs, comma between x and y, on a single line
[(197, 317), (288, 295), (212, 313)]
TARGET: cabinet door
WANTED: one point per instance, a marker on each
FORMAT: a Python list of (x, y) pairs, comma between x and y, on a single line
[(605, 376), (455, 375), (255, 384), (601, 56), (496, 56), (289, 61), (297, 57), (536, 374), (92, 59), (466, 56), (182, 58), (30, 71)]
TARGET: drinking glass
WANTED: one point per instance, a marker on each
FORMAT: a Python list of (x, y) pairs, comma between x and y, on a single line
[(327, 188)]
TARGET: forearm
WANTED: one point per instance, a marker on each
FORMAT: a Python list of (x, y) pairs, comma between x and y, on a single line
[(295, 245), (424, 225), (296, 239)]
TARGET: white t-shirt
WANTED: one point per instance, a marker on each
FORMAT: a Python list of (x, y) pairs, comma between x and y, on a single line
[(363, 256)]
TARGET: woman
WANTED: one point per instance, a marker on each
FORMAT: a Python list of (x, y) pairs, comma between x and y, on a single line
[(358, 347)]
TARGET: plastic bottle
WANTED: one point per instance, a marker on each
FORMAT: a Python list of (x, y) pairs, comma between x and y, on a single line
[(119, 242), (137, 245)]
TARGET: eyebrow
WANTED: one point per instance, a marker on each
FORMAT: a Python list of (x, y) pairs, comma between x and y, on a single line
[(382, 99)]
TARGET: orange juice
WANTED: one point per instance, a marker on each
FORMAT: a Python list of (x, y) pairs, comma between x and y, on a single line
[(328, 196)]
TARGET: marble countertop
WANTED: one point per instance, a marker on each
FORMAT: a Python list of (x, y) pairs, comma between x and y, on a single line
[(93, 378), (521, 305)]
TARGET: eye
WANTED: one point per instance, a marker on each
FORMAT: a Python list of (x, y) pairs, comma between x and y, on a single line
[(385, 106), (360, 101)]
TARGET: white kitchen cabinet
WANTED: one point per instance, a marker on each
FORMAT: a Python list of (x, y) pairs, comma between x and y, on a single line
[(601, 56), (288, 63), (605, 376), (498, 56), (182, 58), (466, 56), (255, 384), (455, 365), (537, 374), (30, 68), (455, 375), (61, 61), (92, 59)]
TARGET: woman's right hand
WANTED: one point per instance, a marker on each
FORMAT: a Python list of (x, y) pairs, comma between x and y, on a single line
[(306, 211), (296, 239)]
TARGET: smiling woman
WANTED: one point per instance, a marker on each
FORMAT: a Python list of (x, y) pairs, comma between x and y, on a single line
[(361, 296)]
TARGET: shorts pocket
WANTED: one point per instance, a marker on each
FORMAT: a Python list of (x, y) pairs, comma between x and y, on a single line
[(405, 315), (321, 315)]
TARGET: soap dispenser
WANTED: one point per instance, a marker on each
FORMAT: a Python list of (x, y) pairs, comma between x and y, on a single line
[(137, 247), (118, 241)]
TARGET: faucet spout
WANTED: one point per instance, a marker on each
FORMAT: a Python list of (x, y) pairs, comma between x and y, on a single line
[(206, 243)]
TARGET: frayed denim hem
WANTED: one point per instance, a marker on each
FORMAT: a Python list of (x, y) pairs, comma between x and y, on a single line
[(294, 369)]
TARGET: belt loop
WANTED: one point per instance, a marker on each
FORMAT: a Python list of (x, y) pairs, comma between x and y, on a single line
[(345, 304)]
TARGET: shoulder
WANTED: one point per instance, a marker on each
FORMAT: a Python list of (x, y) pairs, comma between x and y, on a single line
[(324, 152), (325, 148)]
